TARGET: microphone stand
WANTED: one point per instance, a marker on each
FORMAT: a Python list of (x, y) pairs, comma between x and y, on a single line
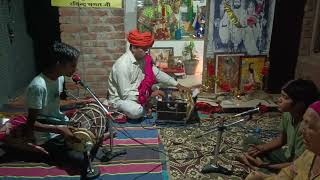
[(108, 154), (214, 167)]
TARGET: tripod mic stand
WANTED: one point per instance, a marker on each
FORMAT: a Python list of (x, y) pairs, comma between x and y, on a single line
[(214, 167), (111, 153)]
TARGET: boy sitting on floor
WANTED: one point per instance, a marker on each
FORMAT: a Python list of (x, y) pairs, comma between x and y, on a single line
[(295, 97)]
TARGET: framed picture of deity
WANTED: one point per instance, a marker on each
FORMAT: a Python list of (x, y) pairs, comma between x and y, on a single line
[(251, 72), (227, 72), (162, 56), (242, 26)]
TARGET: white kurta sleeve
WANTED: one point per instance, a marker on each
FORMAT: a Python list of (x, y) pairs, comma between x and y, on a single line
[(162, 77), (125, 90)]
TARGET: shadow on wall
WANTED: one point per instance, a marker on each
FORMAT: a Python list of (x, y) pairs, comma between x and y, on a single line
[(43, 27)]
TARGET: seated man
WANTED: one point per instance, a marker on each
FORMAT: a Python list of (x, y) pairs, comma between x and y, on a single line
[(307, 166), (295, 97), (132, 75)]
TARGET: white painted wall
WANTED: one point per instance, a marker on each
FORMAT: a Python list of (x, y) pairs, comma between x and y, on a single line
[(178, 48)]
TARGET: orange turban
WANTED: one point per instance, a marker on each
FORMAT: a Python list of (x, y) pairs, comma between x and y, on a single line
[(140, 39)]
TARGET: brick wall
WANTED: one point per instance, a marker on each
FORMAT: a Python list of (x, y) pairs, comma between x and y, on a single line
[(99, 35), (308, 64)]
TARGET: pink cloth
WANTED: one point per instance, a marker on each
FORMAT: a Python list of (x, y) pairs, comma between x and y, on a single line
[(12, 124), (146, 84), (315, 106)]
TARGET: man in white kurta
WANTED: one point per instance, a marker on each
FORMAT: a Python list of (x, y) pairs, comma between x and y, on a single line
[(127, 74)]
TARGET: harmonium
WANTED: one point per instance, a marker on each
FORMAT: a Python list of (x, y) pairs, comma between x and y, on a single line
[(174, 108)]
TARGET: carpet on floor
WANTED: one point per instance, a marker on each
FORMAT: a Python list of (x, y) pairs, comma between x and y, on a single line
[(142, 161), (187, 155)]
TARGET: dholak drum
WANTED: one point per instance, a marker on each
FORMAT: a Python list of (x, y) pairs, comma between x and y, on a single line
[(90, 125)]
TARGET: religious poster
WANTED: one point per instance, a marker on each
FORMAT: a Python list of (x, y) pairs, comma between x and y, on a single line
[(161, 56), (172, 19), (251, 70), (243, 26), (227, 72)]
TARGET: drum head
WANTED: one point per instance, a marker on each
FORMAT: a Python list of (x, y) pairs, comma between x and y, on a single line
[(90, 123), (85, 136)]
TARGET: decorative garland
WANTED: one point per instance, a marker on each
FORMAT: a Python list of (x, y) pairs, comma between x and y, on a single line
[(233, 18)]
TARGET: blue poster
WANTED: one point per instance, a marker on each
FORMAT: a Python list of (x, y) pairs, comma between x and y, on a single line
[(243, 26)]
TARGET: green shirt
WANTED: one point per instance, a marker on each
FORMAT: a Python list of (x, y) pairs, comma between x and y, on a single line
[(294, 137)]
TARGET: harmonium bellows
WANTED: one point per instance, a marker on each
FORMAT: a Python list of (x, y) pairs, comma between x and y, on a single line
[(175, 107)]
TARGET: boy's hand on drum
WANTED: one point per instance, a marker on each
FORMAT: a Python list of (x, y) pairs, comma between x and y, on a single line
[(66, 131)]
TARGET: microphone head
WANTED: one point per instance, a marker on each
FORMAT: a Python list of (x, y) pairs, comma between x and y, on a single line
[(76, 78), (262, 108)]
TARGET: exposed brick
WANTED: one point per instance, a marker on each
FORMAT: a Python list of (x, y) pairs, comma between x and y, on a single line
[(69, 19), (75, 43), (114, 20), (68, 11), (88, 36), (98, 83), (88, 43), (70, 36), (94, 50), (111, 43), (101, 50), (108, 63), (117, 12), (96, 78), (103, 57), (84, 20), (100, 28), (118, 27), (111, 35), (70, 28), (102, 20), (71, 86), (96, 71), (117, 55), (89, 57), (94, 12), (101, 39), (93, 64), (101, 92), (116, 49)]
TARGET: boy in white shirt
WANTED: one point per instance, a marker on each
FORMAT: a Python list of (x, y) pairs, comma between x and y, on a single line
[(45, 122)]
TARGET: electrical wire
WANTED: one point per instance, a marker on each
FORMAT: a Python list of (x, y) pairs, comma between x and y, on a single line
[(127, 134)]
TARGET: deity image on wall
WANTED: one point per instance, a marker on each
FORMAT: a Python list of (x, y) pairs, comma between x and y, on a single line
[(251, 77), (227, 71), (243, 26), (161, 56)]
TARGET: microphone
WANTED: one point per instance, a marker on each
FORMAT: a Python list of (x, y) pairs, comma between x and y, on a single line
[(249, 112), (260, 108), (76, 78)]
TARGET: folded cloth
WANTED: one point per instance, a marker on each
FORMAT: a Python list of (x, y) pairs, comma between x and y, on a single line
[(12, 124)]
